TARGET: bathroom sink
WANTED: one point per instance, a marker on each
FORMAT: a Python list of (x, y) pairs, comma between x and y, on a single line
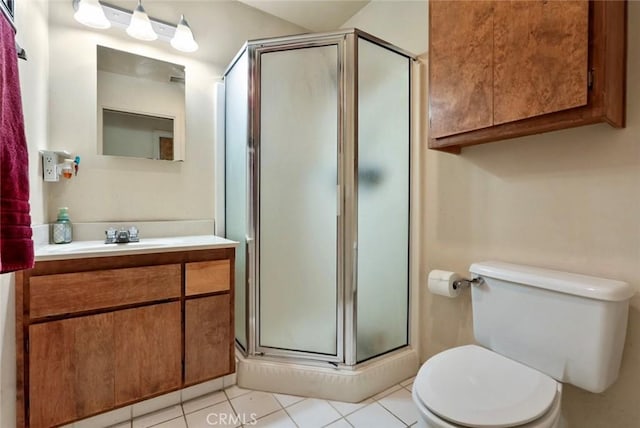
[(138, 244), (82, 249), (93, 246)]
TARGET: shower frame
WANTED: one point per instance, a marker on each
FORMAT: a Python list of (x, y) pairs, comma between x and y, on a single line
[(347, 225)]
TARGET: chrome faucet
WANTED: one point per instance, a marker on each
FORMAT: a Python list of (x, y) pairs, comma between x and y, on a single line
[(121, 236)]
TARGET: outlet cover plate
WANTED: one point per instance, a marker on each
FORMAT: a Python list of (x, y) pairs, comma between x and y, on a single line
[(49, 170)]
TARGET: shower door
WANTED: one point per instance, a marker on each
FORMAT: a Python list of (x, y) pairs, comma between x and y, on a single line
[(382, 194), (298, 211), (237, 190)]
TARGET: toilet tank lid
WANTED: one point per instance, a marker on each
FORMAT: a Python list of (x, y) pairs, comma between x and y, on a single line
[(562, 282)]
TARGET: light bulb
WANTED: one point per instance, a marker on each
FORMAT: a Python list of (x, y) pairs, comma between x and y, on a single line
[(140, 25), (91, 14), (183, 38)]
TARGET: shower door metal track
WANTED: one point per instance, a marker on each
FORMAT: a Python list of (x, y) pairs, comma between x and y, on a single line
[(347, 177), (255, 52)]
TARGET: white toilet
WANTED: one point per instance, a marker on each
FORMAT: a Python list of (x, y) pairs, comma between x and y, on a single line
[(536, 329)]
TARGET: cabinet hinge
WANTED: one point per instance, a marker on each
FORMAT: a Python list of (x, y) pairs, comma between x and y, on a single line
[(590, 79)]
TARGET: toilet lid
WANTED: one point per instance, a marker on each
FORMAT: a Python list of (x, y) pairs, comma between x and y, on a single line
[(475, 387)]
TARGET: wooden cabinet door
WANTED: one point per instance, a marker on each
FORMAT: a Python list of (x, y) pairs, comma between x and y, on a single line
[(71, 366), (540, 57), (148, 343), (208, 349), (460, 66)]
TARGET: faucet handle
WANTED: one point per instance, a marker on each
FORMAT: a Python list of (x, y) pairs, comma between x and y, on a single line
[(133, 234), (110, 235)]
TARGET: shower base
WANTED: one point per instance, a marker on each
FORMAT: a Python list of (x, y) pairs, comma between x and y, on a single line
[(350, 384)]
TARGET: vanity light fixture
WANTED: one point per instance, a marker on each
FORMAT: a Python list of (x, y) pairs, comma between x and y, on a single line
[(140, 25), (183, 38), (137, 23), (90, 13)]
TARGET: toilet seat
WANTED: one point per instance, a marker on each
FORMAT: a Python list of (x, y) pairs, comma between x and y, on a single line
[(471, 386), (551, 419)]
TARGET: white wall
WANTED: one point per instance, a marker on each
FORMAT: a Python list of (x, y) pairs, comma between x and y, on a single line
[(125, 189), (566, 200), (31, 20), (402, 23)]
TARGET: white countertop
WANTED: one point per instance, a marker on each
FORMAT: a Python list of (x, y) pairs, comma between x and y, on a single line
[(86, 249)]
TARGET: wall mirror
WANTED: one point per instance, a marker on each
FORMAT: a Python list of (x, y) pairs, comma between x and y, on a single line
[(141, 106)]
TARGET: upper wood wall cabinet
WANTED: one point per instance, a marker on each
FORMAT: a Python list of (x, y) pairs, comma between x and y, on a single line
[(502, 69)]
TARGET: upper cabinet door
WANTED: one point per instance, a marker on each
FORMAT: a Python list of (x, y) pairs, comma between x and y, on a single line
[(507, 68), (461, 66), (540, 57)]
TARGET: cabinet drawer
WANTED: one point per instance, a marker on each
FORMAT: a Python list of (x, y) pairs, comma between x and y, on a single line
[(207, 277), (84, 291)]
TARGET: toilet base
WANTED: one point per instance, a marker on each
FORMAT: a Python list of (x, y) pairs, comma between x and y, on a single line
[(551, 419)]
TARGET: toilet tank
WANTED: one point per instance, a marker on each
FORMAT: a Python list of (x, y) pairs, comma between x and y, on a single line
[(569, 326)]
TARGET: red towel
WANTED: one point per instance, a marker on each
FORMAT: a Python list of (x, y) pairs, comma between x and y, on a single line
[(16, 245)]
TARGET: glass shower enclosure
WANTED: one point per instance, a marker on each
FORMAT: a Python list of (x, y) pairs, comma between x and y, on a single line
[(317, 192)]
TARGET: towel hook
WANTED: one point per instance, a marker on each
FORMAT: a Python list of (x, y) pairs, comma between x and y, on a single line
[(22, 54)]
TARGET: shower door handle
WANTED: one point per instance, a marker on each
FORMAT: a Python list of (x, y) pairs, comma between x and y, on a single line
[(248, 243), (354, 269), (249, 294), (248, 252)]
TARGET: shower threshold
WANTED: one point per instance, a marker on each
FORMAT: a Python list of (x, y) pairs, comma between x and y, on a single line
[(323, 379)]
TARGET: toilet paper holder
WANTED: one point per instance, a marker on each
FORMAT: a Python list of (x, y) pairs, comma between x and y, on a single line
[(464, 283)]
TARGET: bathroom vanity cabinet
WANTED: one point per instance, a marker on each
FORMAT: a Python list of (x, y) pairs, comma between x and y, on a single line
[(503, 69), (94, 334)]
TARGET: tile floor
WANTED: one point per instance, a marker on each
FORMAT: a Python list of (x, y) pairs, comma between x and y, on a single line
[(238, 407)]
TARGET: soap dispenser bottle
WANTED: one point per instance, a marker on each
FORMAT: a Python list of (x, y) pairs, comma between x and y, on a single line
[(62, 233)]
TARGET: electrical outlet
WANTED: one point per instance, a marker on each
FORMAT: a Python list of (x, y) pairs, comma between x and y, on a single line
[(49, 170)]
